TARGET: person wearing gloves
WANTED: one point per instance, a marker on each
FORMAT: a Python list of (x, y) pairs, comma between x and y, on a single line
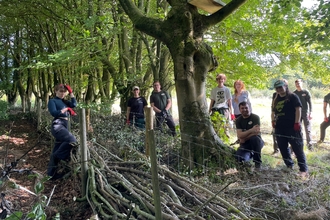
[(160, 101), (135, 109), (61, 110), (221, 100), (287, 108)]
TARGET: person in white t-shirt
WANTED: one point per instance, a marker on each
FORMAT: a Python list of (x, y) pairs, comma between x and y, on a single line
[(221, 99)]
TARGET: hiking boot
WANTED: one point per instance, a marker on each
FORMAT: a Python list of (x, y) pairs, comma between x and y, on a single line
[(257, 166)]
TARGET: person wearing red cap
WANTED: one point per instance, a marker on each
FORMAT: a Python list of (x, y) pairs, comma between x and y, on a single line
[(61, 110), (135, 109)]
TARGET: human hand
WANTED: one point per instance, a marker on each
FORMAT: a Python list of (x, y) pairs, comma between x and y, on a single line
[(164, 112), (326, 119), (296, 127), (68, 88), (127, 121), (310, 117), (70, 110), (232, 116)]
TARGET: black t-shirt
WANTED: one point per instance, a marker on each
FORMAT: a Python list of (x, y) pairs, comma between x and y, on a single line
[(247, 123), (137, 105), (285, 110), (305, 99), (159, 99)]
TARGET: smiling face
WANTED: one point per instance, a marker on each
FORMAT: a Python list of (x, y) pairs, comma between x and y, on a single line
[(245, 111), (136, 92)]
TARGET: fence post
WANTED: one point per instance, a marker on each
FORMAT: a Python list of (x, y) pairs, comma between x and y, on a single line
[(149, 126), (83, 149), (151, 150)]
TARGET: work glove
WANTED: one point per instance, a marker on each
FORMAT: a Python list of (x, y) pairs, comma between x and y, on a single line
[(232, 117), (326, 119), (68, 88), (164, 113), (273, 124), (70, 110), (296, 127), (127, 122)]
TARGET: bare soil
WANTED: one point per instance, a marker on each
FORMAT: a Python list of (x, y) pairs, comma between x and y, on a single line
[(20, 142)]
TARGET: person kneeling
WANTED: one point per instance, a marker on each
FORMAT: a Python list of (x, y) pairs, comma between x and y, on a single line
[(248, 132)]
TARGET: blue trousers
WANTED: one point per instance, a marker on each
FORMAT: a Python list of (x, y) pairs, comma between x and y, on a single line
[(63, 146), (250, 149), (286, 136)]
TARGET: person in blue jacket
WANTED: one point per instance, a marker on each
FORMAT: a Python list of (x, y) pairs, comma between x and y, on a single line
[(61, 110)]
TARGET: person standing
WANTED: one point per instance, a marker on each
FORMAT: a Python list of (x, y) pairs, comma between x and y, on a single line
[(161, 103), (273, 116), (306, 110), (135, 109), (248, 132), (61, 110), (287, 108), (326, 122), (221, 100), (240, 95)]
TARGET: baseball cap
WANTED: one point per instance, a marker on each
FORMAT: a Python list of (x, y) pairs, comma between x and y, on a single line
[(135, 87), (279, 83)]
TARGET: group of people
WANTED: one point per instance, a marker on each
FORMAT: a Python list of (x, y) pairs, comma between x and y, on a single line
[(289, 110), (160, 101)]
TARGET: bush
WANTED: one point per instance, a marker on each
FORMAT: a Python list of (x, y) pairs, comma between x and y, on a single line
[(4, 107)]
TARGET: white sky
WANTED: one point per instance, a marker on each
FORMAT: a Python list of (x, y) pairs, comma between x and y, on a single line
[(309, 3)]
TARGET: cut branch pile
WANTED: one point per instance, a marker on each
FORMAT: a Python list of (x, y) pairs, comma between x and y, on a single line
[(123, 190)]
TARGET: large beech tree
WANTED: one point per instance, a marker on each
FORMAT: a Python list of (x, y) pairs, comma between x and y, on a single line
[(182, 32)]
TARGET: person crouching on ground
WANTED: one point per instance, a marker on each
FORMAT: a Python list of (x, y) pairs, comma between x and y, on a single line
[(61, 110), (287, 108), (248, 132)]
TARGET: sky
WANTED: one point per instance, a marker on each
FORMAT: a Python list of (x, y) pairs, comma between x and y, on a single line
[(309, 3)]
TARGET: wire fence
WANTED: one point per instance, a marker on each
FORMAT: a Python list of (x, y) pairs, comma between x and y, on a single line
[(170, 149)]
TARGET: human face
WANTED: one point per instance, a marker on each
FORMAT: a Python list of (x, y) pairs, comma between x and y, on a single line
[(220, 81), (245, 111), (136, 92), (61, 93), (298, 84), (280, 90), (238, 86), (156, 87)]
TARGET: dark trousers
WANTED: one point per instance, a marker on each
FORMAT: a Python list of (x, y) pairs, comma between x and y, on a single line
[(168, 120), (308, 127), (324, 125), (63, 144), (138, 122), (297, 144), (250, 149)]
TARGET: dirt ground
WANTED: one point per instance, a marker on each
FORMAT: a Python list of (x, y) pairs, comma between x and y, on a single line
[(19, 142)]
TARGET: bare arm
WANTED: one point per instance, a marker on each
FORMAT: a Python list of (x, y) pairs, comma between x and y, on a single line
[(298, 115), (211, 105), (169, 104), (127, 113), (155, 108), (325, 110)]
